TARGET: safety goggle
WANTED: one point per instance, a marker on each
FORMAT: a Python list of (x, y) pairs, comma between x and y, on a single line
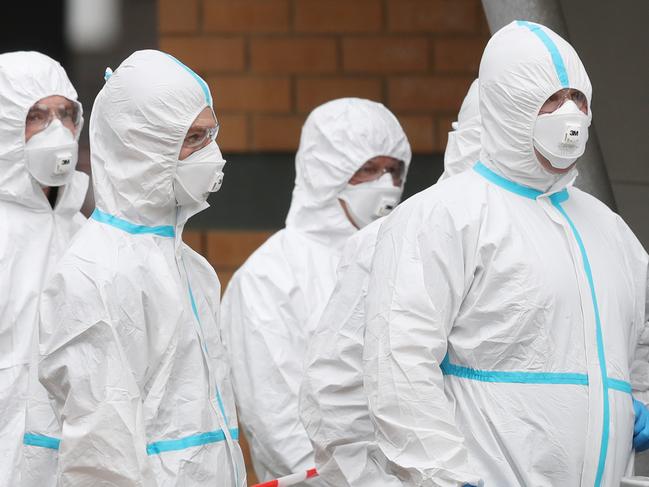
[(40, 116), (560, 97), (371, 171), (198, 137)]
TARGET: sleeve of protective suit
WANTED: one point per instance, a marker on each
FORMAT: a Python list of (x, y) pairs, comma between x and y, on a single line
[(86, 371), (640, 366), (264, 332), (333, 406), (418, 281)]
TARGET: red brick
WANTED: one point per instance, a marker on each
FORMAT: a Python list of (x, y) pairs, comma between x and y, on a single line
[(312, 92), (338, 15), (207, 54), (233, 134), (225, 275), (293, 55), (177, 17), (194, 239), (432, 15), (424, 94), (385, 54), (483, 25), (246, 15), (443, 123), (251, 93), (276, 132), (230, 249), (420, 130), (458, 55)]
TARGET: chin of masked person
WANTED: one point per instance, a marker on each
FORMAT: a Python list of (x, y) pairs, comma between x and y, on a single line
[(335, 413), (131, 353), (272, 302), (34, 234), (505, 305)]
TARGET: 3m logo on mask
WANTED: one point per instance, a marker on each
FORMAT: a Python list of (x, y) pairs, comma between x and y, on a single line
[(571, 137), (63, 166)]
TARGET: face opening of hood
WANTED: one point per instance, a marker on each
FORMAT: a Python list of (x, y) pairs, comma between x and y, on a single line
[(138, 124), (25, 78), (522, 66), (337, 138)]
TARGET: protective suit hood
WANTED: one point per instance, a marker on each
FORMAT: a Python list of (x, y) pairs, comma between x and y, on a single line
[(338, 137), (522, 66), (463, 147), (25, 78), (137, 128)]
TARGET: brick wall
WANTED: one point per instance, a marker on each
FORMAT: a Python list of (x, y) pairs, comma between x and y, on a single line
[(270, 62)]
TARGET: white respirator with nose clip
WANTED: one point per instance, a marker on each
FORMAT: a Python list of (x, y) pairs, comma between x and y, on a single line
[(51, 155), (369, 201), (561, 136), (199, 175)]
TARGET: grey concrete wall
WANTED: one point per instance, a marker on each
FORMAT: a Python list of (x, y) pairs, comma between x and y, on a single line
[(611, 40)]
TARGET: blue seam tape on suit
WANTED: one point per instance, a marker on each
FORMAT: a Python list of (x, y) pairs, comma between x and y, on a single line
[(189, 441), (154, 448), (557, 60), (600, 346), (517, 377), (132, 228), (201, 83), (33, 439), (607, 383), (505, 183)]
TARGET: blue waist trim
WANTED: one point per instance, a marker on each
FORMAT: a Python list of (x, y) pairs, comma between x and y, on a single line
[(513, 377), (190, 441), (33, 439), (128, 227), (154, 448)]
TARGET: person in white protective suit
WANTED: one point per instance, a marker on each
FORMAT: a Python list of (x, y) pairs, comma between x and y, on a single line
[(129, 338), (463, 146), (333, 406), (40, 198), (350, 168), (505, 305)]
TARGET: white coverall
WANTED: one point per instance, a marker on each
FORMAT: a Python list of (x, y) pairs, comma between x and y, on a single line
[(463, 146), (273, 301), (130, 346), (33, 236), (505, 305), (333, 406)]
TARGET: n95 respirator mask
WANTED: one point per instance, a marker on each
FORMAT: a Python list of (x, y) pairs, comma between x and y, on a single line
[(199, 175), (51, 155), (561, 136), (369, 201)]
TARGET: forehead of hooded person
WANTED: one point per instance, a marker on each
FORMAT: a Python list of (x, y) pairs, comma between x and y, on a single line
[(25, 78), (138, 124), (522, 65), (338, 137)]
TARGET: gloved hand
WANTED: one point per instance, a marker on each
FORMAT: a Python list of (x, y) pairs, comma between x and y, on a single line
[(641, 426)]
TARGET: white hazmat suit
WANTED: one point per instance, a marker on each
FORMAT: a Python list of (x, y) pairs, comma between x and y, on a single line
[(505, 305), (463, 146), (130, 344), (333, 406), (273, 301), (33, 236)]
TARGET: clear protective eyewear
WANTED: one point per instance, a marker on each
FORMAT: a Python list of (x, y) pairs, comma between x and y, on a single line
[(199, 136), (561, 96), (40, 116), (372, 170)]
